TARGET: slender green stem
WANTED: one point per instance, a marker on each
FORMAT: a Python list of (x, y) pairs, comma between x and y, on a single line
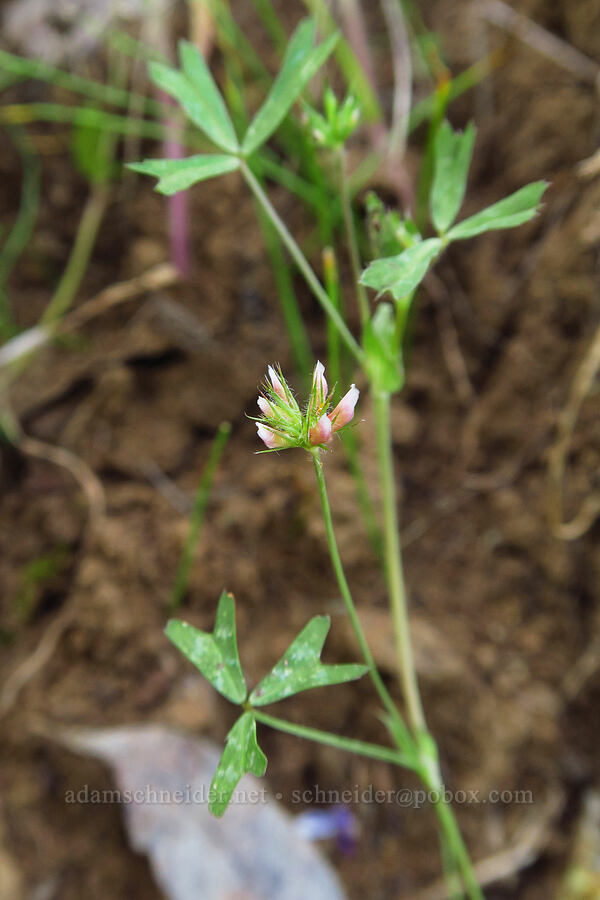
[(80, 255), (350, 444), (361, 293), (362, 748), (283, 276), (429, 769), (27, 113), (345, 591), (22, 228), (101, 93), (302, 263), (201, 499), (456, 845), (394, 570)]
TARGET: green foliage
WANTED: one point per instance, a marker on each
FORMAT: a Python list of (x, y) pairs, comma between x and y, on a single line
[(520, 207), (216, 654), (301, 61), (241, 755), (178, 174), (332, 129), (197, 515), (300, 668), (195, 90), (91, 155), (401, 274), (383, 359), (35, 578), (389, 234), (452, 157)]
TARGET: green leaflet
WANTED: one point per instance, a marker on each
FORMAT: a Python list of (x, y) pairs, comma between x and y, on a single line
[(383, 358), (401, 274), (514, 210), (216, 654), (178, 174), (300, 62), (300, 668), (194, 88), (452, 157), (241, 754)]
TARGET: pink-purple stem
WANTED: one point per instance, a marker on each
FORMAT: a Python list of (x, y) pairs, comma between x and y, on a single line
[(177, 204)]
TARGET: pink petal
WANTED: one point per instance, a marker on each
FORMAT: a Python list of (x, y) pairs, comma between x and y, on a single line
[(321, 431), (268, 437), (344, 411), (277, 385), (319, 385), (265, 407)]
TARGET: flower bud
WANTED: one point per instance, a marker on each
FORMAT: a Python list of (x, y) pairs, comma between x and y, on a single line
[(321, 432), (277, 385), (265, 407), (344, 411), (269, 438), (319, 386)]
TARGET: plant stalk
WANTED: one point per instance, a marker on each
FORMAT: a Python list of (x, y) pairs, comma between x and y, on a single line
[(394, 569), (302, 263), (345, 591), (361, 293), (350, 745), (429, 769)]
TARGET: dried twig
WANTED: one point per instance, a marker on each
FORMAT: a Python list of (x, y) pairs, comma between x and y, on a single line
[(29, 667), (80, 471), (160, 276), (536, 37), (402, 64), (557, 457)]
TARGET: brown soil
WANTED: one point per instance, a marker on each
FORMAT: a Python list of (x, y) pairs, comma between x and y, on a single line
[(503, 612)]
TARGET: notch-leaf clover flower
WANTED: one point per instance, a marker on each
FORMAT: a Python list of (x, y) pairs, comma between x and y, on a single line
[(283, 425)]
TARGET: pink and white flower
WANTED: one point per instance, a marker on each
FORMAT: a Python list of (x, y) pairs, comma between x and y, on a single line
[(319, 386), (270, 439), (265, 407), (321, 432), (277, 385), (283, 424), (344, 411)]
